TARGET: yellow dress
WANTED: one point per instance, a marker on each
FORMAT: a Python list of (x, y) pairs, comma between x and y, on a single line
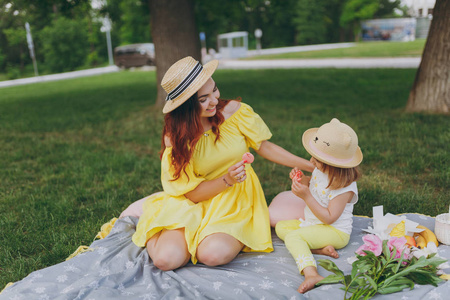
[(240, 211)]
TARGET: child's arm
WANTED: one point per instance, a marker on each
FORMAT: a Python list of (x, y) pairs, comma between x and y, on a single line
[(328, 215)]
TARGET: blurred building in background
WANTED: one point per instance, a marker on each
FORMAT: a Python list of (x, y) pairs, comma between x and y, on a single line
[(233, 44), (420, 8), (395, 29), (401, 29)]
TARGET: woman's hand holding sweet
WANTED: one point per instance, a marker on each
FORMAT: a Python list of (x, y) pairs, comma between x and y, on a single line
[(236, 173)]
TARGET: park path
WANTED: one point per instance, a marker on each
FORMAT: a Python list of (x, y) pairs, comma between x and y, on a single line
[(60, 76), (303, 48), (234, 64), (340, 63)]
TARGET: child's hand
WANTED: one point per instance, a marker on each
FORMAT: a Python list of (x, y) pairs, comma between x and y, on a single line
[(305, 180), (296, 173), (299, 189)]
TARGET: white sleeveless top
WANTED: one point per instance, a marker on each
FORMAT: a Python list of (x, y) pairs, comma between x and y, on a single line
[(323, 195)]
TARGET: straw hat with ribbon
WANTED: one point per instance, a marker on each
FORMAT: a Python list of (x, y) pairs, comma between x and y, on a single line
[(183, 79), (334, 143)]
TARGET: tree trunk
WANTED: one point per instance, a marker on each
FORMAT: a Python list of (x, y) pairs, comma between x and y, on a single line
[(431, 88), (174, 34)]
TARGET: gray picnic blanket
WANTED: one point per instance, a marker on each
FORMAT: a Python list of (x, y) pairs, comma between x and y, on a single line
[(118, 269)]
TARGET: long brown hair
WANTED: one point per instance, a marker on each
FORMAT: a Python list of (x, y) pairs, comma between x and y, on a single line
[(184, 129), (340, 177)]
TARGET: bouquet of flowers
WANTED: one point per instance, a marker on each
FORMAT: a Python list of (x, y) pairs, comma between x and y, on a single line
[(384, 267)]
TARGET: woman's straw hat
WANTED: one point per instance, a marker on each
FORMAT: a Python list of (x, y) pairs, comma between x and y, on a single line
[(334, 143), (183, 79)]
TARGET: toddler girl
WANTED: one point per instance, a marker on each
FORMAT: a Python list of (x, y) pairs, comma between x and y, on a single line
[(327, 221)]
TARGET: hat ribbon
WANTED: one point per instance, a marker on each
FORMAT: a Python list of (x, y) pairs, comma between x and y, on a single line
[(327, 156), (180, 88)]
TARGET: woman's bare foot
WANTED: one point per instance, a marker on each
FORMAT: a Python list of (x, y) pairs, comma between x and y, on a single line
[(309, 283), (327, 250)]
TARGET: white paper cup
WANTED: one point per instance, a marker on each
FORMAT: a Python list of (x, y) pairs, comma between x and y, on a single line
[(442, 228)]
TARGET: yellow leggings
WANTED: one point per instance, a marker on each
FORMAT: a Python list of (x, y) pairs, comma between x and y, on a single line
[(299, 240)]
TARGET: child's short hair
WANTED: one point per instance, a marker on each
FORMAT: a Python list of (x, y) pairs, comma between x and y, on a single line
[(340, 177)]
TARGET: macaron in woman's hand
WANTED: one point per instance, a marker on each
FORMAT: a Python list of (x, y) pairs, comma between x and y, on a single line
[(248, 158)]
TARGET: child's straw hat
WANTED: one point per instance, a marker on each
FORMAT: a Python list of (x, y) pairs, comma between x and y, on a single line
[(334, 143), (183, 79)]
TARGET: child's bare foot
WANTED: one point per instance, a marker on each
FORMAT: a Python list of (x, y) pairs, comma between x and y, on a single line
[(327, 250), (309, 283)]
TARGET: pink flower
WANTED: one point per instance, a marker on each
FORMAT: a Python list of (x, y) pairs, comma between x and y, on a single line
[(372, 243), (400, 244)]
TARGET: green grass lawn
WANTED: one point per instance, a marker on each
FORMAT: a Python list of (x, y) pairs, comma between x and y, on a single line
[(75, 153), (361, 49)]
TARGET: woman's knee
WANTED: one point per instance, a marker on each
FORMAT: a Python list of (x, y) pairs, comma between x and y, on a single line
[(167, 259), (219, 250), (168, 249), (216, 257)]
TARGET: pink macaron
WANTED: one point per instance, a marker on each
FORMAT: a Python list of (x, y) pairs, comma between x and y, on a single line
[(248, 158)]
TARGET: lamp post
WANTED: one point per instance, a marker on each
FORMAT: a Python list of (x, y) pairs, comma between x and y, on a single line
[(258, 35), (106, 27), (31, 48)]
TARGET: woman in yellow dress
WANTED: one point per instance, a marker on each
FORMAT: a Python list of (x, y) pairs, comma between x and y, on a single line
[(212, 206)]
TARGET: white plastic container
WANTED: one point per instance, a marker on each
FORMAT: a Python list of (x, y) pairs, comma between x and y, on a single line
[(442, 228)]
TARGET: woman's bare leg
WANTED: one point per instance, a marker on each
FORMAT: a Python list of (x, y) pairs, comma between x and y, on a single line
[(286, 206), (218, 249), (168, 249)]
